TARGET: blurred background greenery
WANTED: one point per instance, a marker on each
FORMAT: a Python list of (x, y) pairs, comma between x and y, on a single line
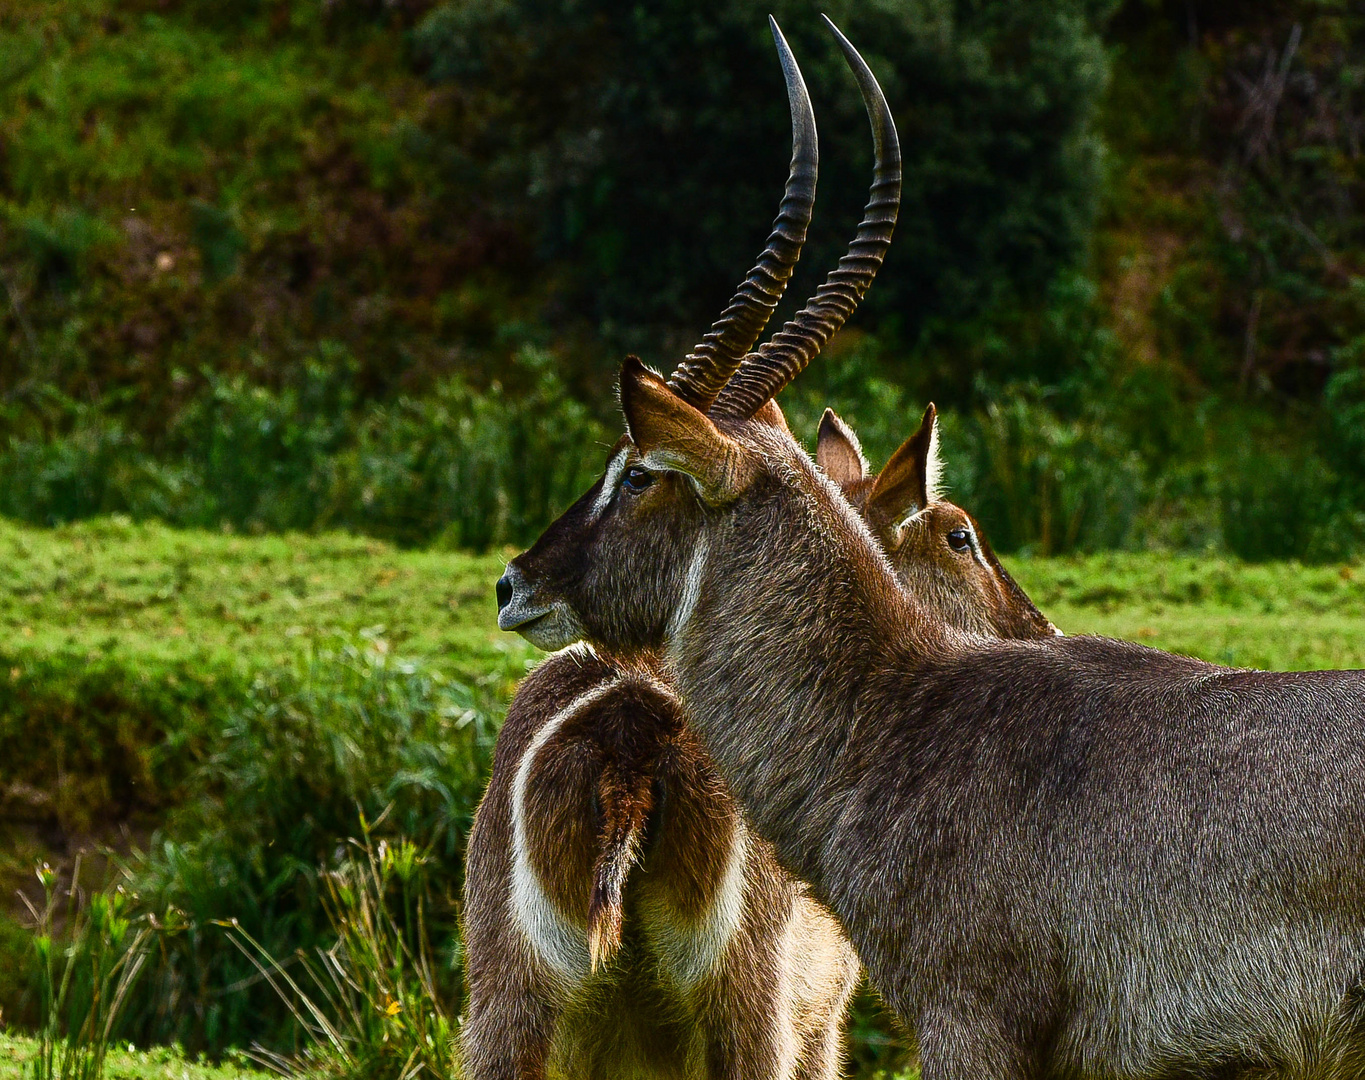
[(368, 267), (295, 265)]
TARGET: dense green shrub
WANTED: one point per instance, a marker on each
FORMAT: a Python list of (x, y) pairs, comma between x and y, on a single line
[(471, 469), (644, 135)]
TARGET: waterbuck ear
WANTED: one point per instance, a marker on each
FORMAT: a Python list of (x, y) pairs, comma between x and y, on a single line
[(838, 452), (670, 434), (769, 413), (909, 481)]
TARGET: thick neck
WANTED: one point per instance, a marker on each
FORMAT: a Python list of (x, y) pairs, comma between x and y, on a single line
[(795, 607)]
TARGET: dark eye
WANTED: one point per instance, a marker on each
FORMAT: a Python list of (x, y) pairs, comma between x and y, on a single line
[(960, 540), (637, 479)]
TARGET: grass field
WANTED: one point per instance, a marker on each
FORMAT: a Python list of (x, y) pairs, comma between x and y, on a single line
[(132, 655)]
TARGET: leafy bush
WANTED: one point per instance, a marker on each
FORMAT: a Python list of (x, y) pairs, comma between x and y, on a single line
[(1045, 484), (1278, 505), (371, 1002), (639, 185), (86, 967)]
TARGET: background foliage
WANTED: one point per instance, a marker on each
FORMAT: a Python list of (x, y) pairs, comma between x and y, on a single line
[(360, 264)]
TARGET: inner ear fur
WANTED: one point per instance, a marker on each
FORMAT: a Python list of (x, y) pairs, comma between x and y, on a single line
[(905, 486), (672, 435), (838, 452)]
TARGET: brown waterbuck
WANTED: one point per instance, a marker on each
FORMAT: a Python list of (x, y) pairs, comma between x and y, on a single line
[(1064, 857)]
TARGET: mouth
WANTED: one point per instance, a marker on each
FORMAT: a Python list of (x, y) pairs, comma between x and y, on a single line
[(518, 622)]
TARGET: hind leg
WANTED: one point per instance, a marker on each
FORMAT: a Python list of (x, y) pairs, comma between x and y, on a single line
[(822, 1049), (508, 1040), (746, 1032)]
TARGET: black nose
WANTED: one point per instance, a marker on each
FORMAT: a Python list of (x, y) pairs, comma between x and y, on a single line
[(504, 589)]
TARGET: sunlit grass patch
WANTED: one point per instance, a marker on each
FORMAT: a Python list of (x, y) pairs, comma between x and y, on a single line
[(130, 1063)]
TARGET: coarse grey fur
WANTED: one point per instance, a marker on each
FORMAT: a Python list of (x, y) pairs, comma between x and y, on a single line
[(1073, 857)]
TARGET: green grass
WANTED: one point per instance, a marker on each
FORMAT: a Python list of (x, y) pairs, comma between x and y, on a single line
[(144, 594), (159, 1063), (151, 597)]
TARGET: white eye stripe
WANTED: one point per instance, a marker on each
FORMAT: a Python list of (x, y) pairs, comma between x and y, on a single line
[(976, 549), (610, 482)]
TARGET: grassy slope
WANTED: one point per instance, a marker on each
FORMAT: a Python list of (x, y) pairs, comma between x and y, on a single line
[(123, 646), (120, 644), (150, 597), (1280, 616), (149, 594)]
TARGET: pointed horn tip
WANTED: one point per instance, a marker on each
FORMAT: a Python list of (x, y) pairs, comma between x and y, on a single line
[(839, 34)]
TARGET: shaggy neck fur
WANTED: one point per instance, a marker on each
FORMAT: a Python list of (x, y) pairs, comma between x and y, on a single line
[(772, 676)]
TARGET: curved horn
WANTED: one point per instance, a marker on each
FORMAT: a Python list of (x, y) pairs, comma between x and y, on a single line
[(705, 370), (777, 362)]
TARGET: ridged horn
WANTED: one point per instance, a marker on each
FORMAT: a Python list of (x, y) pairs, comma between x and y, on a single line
[(764, 373), (707, 368)]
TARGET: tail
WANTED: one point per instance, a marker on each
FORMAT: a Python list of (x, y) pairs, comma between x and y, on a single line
[(626, 807)]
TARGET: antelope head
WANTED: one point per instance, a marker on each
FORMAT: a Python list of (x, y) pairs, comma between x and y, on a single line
[(621, 566), (936, 548)]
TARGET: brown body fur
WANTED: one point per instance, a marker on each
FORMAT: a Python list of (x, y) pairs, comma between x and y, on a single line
[(621, 780)]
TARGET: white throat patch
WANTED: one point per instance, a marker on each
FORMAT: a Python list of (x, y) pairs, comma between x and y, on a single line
[(682, 614)]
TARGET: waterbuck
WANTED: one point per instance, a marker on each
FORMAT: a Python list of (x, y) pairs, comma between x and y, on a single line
[(1064, 857), (726, 960), (936, 549)]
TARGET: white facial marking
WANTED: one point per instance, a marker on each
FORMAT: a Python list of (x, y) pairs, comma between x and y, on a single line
[(682, 614), (561, 944), (610, 482), (976, 549), (692, 951)]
